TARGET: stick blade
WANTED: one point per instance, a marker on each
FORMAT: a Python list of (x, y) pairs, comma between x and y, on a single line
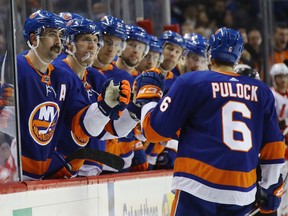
[(106, 158)]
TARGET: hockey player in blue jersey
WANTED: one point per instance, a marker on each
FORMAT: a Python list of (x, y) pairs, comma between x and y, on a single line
[(194, 53), (154, 56), (49, 96), (173, 46), (137, 46), (227, 123)]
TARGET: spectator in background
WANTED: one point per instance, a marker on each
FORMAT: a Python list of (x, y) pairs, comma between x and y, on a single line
[(280, 43), (204, 22), (187, 27), (254, 48), (98, 10)]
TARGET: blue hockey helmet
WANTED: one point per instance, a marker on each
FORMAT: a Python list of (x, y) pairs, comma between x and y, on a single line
[(155, 44), (137, 33), (67, 16), (82, 26), (196, 43), (134, 32), (113, 26), (39, 20), (172, 37), (226, 45)]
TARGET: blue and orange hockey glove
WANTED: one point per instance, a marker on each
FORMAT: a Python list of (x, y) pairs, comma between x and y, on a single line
[(166, 159), (270, 198), (149, 86), (139, 161), (60, 168), (114, 98)]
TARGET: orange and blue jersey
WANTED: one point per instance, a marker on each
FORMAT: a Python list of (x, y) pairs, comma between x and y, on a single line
[(47, 101), (90, 87), (226, 121)]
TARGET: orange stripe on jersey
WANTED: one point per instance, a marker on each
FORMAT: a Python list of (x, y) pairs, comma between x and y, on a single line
[(76, 127), (175, 203), (118, 148), (215, 175), (274, 150), (158, 148), (36, 167), (150, 134)]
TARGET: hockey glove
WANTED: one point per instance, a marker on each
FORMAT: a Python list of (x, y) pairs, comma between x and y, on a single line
[(149, 86), (139, 161), (124, 99), (270, 198), (60, 168), (166, 159), (114, 98)]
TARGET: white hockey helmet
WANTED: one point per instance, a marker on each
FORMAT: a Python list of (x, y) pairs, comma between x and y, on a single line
[(277, 69)]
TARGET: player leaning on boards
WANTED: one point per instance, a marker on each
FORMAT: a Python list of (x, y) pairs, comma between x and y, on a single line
[(49, 96), (226, 121)]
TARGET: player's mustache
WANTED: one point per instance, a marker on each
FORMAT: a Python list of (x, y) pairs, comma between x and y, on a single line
[(57, 48)]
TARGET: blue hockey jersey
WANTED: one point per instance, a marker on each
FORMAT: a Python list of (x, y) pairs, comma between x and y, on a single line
[(46, 101), (226, 121)]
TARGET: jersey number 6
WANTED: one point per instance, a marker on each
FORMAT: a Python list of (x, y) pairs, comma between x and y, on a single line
[(231, 126)]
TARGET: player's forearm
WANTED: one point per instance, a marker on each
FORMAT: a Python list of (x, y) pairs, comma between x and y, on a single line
[(148, 131), (125, 124), (89, 122), (271, 160)]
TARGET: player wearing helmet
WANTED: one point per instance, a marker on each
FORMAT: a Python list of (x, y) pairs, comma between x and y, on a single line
[(137, 46), (226, 121), (154, 56), (114, 37), (164, 153), (246, 70), (50, 97), (194, 54), (279, 76)]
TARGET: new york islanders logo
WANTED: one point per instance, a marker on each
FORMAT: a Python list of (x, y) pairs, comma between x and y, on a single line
[(42, 122)]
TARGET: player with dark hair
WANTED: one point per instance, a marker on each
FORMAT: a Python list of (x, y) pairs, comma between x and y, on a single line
[(226, 122), (193, 57), (49, 96)]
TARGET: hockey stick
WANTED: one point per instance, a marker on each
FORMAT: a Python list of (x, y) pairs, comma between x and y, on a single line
[(106, 158)]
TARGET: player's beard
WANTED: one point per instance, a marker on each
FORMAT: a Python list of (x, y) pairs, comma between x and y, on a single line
[(129, 63)]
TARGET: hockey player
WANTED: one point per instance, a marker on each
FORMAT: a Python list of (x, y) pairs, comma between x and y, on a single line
[(154, 56), (164, 153), (226, 121), (193, 57), (279, 76), (83, 37), (49, 96), (137, 47), (114, 38)]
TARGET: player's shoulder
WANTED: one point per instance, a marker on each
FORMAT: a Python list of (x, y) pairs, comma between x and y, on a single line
[(63, 74)]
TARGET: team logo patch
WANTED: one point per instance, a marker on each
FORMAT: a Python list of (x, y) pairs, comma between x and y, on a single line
[(78, 140), (43, 121), (67, 16), (33, 15)]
